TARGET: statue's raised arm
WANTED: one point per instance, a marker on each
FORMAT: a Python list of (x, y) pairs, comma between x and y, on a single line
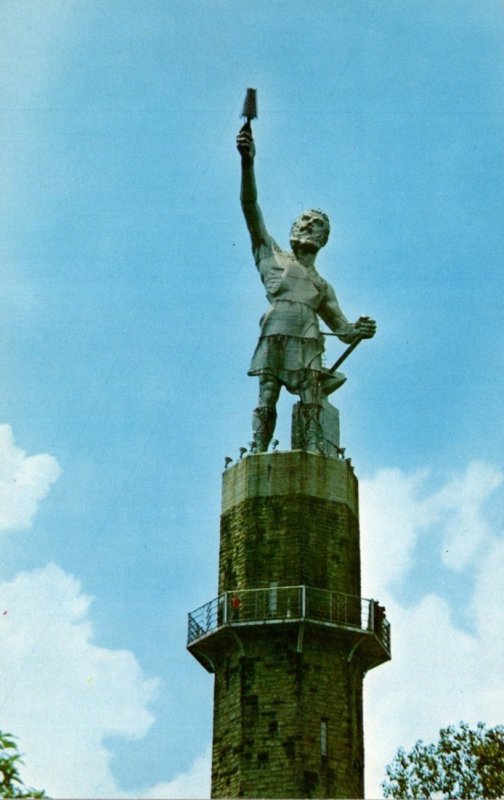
[(248, 195)]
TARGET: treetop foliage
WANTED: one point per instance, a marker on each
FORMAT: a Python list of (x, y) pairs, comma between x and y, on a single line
[(11, 784), (464, 763)]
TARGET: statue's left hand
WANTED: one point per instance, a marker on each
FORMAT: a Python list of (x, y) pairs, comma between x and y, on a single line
[(365, 327)]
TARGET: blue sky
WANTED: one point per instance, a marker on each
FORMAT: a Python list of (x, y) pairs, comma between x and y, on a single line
[(129, 312)]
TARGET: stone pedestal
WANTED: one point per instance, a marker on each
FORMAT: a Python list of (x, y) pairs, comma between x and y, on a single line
[(291, 518)]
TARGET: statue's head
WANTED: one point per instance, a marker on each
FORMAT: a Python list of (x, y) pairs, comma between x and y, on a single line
[(310, 230)]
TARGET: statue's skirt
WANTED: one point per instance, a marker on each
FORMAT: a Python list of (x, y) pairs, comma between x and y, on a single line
[(290, 359)]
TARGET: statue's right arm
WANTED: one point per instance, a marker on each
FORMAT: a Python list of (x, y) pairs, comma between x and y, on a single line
[(248, 196)]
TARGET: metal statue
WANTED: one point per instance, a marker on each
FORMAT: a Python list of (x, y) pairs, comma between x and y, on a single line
[(290, 347)]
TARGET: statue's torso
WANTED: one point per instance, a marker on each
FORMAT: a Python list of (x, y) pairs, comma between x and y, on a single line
[(294, 292)]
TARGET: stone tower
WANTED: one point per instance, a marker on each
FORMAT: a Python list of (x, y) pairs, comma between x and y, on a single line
[(289, 637)]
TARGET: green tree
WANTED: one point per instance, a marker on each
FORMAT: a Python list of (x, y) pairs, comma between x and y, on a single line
[(11, 784), (464, 763)]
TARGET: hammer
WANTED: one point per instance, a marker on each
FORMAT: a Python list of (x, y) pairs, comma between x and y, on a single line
[(358, 339), (249, 108)]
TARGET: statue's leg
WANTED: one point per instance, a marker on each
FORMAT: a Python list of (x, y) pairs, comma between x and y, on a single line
[(310, 392), (264, 416)]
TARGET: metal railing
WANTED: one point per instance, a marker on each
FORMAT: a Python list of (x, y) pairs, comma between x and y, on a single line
[(289, 603)]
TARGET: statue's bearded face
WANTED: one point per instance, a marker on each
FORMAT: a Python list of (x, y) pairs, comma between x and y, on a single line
[(310, 230)]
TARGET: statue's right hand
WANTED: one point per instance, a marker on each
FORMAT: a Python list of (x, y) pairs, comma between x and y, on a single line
[(245, 143)]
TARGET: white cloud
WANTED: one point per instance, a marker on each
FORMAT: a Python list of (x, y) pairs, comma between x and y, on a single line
[(392, 514), (195, 783), (486, 606), (62, 694), (24, 482), (440, 673), (466, 528), (396, 510), (59, 691)]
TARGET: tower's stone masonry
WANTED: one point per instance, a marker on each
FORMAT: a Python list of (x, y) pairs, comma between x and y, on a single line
[(289, 637), (290, 540), (270, 703)]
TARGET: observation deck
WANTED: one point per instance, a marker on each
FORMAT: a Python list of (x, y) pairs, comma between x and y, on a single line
[(359, 621)]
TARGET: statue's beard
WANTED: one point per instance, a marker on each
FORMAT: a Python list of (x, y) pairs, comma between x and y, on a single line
[(307, 243)]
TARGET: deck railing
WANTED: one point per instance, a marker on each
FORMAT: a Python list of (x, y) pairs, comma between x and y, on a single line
[(289, 604)]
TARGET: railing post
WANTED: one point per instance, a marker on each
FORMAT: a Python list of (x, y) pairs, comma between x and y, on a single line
[(303, 602), (225, 608)]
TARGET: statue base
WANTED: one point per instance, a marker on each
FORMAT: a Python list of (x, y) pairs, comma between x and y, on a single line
[(329, 423)]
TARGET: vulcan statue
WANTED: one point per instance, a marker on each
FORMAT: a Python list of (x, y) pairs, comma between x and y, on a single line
[(290, 347)]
